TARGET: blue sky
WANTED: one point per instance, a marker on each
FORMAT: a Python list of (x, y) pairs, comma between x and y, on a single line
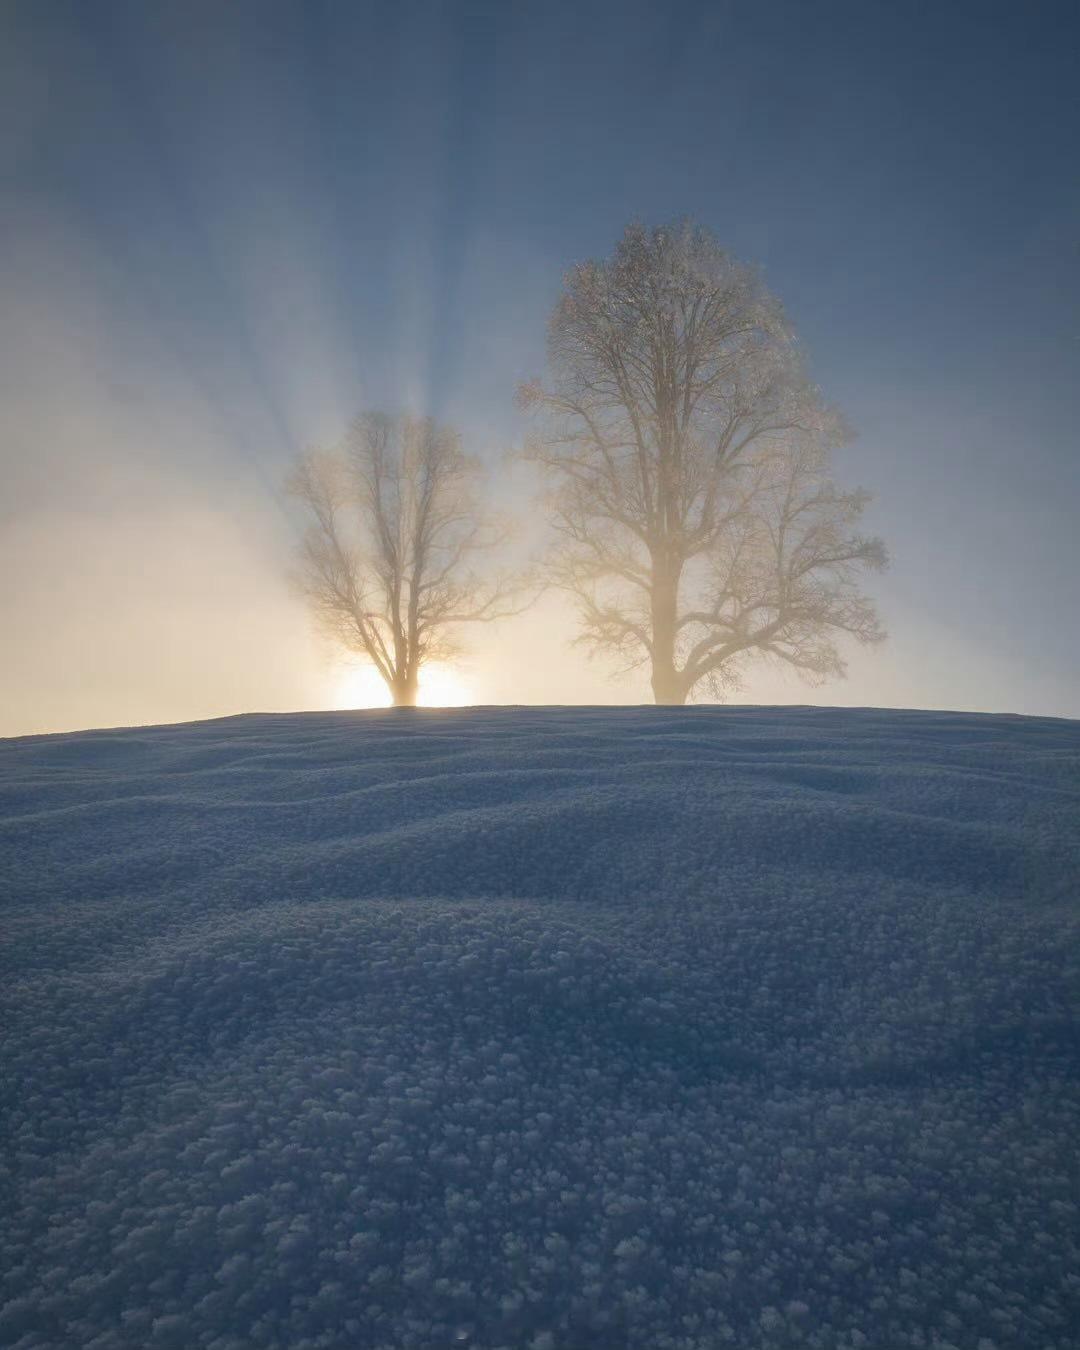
[(225, 228)]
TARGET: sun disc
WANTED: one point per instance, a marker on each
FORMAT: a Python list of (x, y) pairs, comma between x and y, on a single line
[(442, 687), (361, 686)]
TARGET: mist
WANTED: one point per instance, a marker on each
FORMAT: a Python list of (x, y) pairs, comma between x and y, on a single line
[(219, 244)]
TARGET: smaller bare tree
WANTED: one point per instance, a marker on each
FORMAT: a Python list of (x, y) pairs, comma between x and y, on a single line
[(396, 529)]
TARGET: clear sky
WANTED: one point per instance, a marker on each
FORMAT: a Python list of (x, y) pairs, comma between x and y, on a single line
[(224, 228)]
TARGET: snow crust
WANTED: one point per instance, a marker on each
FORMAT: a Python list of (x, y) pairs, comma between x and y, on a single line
[(547, 1028)]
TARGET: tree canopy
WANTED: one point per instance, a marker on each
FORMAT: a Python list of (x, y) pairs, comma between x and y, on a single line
[(391, 557), (688, 454)]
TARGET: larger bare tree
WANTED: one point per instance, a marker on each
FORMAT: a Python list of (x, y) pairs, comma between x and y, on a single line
[(396, 528), (689, 458)]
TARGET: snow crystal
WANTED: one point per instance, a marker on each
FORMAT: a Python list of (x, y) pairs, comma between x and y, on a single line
[(675, 1029)]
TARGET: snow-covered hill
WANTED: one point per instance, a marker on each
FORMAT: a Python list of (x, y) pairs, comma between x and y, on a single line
[(543, 1028)]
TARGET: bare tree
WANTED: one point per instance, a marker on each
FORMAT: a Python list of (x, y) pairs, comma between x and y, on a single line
[(395, 529), (688, 453)]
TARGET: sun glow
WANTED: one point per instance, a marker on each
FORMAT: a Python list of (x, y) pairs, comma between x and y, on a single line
[(443, 687), (361, 686)]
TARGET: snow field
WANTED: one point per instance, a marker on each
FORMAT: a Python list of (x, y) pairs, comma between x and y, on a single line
[(547, 1028)]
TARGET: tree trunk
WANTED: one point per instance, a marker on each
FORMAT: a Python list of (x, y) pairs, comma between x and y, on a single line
[(667, 687), (404, 692), (667, 682)]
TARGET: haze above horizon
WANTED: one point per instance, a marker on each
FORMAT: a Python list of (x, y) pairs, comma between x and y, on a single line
[(226, 230)]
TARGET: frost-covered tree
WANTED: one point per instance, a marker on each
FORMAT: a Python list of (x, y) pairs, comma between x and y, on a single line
[(396, 532), (688, 453)]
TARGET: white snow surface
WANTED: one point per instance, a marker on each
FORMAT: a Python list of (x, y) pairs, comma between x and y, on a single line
[(542, 1028)]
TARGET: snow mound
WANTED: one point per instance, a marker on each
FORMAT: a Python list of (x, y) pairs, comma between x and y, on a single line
[(550, 1028)]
